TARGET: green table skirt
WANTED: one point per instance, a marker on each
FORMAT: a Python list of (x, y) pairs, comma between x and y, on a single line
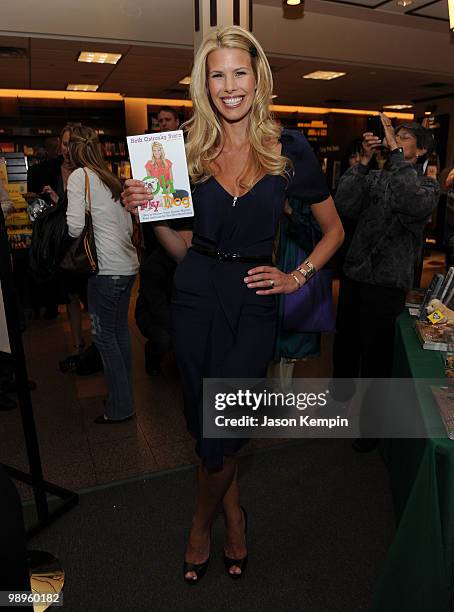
[(419, 571)]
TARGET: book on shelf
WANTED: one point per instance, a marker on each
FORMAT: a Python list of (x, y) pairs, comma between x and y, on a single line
[(432, 292), (431, 336), (444, 398)]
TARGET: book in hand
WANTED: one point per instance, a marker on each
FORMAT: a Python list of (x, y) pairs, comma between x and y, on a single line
[(159, 160), (432, 337), (444, 396), (432, 292)]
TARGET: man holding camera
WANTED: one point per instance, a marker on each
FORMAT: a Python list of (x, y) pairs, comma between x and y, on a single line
[(391, 207)]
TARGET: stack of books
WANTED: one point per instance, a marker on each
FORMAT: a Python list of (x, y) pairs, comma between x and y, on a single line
[(432, 337), (441, 287)]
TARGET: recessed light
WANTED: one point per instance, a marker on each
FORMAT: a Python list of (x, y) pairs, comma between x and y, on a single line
[(324, 75), (95, 57), (273, 96), (185, 81), (427, 113), (81, 87), (292, 2), (398, 106)]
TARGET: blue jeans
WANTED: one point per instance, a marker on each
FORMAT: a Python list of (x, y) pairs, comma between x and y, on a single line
[(108, 303)]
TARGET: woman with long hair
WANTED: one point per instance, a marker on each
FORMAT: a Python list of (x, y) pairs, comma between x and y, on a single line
[(93, 184), (242, 166), (158, 166)]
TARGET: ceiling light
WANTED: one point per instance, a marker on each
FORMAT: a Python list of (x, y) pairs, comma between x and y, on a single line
[(99, 58), (273, 96), (324, 75), (427, 113), (451, 14), (293, 9), (81, 87), (398, 106), (185, 81), (404, 3)]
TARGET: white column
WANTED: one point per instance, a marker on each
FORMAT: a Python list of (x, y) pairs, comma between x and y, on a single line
[(211, 14)]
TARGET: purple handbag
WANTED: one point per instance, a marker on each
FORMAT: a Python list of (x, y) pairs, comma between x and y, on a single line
[(310, 309)]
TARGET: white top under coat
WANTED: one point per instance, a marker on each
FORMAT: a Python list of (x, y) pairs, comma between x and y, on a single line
[(112, 224)]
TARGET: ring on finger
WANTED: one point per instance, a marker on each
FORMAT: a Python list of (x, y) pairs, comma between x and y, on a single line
[(271, 282)]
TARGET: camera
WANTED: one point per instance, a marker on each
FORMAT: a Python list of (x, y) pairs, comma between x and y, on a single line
[(375, 126)]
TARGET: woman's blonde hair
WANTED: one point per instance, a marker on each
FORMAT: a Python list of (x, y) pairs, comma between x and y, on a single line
[(85, 151), (205, 137), (162, 159)]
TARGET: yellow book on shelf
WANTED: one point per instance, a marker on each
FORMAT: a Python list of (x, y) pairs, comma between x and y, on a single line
[(3, 172)]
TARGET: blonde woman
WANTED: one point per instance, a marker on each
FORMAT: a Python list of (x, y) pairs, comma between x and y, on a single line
[(109, 291), (158, 166), (243, 166)]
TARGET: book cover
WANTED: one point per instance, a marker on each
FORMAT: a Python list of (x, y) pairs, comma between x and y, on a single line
[(159, 160), (449, 297), (446, 284), (431, 336), (444, 397)]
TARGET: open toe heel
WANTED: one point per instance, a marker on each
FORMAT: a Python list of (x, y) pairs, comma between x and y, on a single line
[(240, 563), (199, 569)]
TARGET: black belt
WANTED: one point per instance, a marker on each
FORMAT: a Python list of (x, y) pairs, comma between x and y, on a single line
[(221, 256)]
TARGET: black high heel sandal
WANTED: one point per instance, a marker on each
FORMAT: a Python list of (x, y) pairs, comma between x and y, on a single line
[(241, 563), (198, 568)]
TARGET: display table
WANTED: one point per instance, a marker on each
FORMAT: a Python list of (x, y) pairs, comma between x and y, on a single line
[(419, 571)]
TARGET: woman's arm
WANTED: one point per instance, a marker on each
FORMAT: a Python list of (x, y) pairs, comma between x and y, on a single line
[(176, 243), (333, 233), (270, 280), (75, 213)]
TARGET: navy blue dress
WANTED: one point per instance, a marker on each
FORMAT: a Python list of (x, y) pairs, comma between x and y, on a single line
[(222, 329)]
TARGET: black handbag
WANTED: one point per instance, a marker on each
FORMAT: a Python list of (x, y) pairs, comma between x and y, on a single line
[(81, 257)]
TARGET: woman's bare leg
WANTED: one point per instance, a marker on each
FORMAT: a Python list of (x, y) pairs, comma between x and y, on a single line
[(212, 487), (235, 539)]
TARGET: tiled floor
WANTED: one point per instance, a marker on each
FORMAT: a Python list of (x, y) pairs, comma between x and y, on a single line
[(75, 452)]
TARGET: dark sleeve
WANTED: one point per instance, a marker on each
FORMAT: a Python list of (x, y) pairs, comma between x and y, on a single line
[(352, 195), (414, 197), (307, 181), (179, 225), (34, 180)]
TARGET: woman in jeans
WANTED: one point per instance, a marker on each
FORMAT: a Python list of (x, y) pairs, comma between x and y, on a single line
[(109, 291)]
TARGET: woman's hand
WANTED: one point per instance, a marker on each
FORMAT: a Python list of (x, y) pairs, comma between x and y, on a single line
[(369, 146), (390, 135), (135, 194), (271, 281), (53, 196)]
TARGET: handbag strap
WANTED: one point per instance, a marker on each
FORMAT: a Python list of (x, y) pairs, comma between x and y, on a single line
[(87, 194)]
